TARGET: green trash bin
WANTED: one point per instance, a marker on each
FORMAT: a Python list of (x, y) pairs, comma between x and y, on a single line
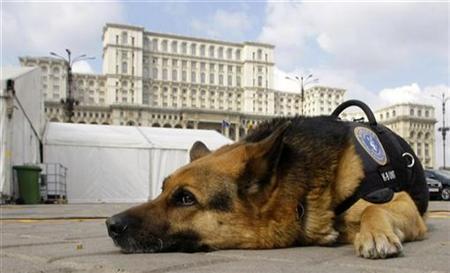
[(28, 178)]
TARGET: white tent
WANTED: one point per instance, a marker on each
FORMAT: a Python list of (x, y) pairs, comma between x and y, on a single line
[(117, 163), (21, 122)]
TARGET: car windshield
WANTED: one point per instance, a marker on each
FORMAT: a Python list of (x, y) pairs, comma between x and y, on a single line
[(446, 174)]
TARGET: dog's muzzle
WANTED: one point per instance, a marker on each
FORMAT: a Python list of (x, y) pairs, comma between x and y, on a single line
[(119, 225)]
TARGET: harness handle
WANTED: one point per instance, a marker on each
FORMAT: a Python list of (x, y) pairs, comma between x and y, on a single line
[(369, 114)]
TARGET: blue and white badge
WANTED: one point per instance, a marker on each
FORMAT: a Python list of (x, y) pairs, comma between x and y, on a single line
[(370, 142)]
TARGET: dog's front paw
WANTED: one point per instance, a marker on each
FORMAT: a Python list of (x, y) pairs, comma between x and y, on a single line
[(329, 238), (377, 245)]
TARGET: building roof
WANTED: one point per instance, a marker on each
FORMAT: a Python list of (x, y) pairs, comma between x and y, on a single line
[(177, 36)]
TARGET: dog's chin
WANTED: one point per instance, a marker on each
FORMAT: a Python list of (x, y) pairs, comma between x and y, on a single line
[(132, 246)]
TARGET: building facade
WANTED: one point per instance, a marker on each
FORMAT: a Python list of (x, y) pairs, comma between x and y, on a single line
[(157, 79), (413, 122)]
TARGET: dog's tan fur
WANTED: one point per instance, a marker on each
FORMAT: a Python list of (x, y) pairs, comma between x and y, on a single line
[(268, 216)]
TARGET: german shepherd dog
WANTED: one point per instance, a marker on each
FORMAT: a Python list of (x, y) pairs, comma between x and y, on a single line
[(278, 187)]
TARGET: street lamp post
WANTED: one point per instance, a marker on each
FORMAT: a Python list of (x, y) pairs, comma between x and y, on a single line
[(443, 129), (70, 102), (303, 81)]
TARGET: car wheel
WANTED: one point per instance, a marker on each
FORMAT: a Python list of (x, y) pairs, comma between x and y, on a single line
[(445, 194)]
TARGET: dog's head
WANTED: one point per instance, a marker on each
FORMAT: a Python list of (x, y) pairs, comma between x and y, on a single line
[(223, 199)]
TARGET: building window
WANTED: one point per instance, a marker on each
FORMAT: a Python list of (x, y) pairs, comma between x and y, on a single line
[(202, 50), (229, 53), (220, 52), (193, 77), (238, 80), (124, 67), (202, 77), (146, 43), (260, 80), (124, 38), (411, 112), (174, 75), (164, 45), (230, 80), (419, 148), (211, 51), (174, 47), (211, 78), (184, 75), (155, 45), (164, 75), (259, 54), (155, 73), (193, 49), (238, 54)]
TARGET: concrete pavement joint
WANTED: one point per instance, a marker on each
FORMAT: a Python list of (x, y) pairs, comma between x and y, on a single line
[(41, 244), (186, 266)]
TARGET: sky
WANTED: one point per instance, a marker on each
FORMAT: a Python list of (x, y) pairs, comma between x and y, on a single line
[(381, 52)]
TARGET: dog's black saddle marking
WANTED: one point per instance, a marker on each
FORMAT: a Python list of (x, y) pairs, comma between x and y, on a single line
[(386, 168)]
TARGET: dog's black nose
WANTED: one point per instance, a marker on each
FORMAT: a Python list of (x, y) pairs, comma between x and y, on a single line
[(118, 224)]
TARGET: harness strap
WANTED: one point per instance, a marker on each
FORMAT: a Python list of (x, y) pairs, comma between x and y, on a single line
[(379, 185)]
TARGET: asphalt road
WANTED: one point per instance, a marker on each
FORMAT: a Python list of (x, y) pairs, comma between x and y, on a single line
[(72, 238)]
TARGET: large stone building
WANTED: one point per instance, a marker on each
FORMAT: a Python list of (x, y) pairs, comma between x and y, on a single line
[(414, 122), (156, 79)]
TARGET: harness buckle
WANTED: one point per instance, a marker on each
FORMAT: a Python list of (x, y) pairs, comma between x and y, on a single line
[(410, 158)]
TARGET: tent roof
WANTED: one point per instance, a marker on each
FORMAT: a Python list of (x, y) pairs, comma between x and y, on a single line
[(129, 136), (12, 72), (182, 138)]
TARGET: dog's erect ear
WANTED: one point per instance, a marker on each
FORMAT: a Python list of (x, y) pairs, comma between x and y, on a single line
[(262, 159), (198, 150)]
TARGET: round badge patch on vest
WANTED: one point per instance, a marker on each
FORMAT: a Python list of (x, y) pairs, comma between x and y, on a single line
[(370, 142)]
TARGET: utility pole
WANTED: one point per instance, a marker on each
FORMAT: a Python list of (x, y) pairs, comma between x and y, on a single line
[(70, 102), (303, 81), (443, 129)]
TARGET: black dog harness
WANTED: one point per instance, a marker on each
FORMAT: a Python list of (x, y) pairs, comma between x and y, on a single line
[(387, 165)]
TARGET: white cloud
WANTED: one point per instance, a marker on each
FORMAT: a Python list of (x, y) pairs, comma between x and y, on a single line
[(231, 25), (329, 77), (362, 36), (38, 28), (82, 67)]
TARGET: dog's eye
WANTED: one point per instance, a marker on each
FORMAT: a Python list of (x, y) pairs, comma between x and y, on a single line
[(184, 198)]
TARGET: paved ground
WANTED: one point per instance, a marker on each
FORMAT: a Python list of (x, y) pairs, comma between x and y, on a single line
[(72, 238)]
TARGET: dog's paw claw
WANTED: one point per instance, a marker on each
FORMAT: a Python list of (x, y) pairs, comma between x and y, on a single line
[(377, 245)]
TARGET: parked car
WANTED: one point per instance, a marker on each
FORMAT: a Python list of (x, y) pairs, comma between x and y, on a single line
[(434, 188), (444, 178)]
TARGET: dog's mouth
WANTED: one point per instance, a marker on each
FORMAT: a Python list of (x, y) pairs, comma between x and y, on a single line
[(186, 241), (128, 245)]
